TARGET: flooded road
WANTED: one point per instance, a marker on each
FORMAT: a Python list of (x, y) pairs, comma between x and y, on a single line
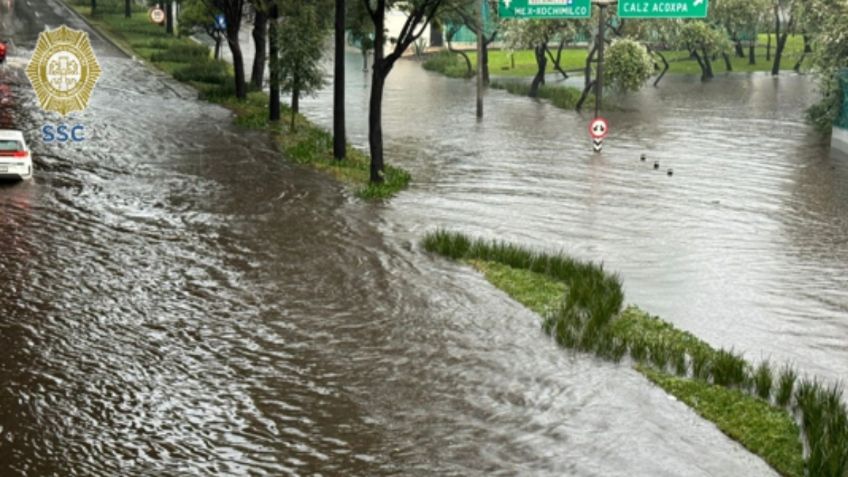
[(178, 301), (746, 245)]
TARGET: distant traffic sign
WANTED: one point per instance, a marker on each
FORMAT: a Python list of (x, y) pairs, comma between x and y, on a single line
[(157, 15), (662, 8), (549, 9), (220, 22), (599, 128)]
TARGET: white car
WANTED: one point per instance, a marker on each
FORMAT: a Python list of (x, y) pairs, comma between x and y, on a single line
[(15, 157)]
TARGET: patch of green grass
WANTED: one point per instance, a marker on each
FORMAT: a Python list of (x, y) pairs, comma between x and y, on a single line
[(522, 63), (189, 62), (580, 304), (786, 386), (762, 429), (825, 423), (533, 290), (565, 97), (763, 380), (449, 64)]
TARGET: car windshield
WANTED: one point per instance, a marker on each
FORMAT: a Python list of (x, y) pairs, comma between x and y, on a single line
[(10, 145)]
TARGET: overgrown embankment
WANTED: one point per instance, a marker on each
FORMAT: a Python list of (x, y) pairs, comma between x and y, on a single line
[(768, 410), (190, 62)]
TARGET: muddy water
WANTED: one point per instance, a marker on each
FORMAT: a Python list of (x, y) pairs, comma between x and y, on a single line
[(177, 301), (745, 245)]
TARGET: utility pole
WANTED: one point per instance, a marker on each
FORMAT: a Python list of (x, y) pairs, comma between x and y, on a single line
[(599, 80), (480, 34)]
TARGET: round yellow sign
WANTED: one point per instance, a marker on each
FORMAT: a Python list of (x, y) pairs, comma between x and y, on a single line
[(63, 70)]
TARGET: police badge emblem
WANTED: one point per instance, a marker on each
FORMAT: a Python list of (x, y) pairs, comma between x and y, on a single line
[(63, 70)]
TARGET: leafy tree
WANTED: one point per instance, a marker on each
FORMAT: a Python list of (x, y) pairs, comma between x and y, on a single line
[(627, 65), (196, 15), (784, 23), (361, 28), (302, 33), (232, 11), (459, 13), (419, 15), (739, 17), (703, 42), (830, 56), (536, 34)]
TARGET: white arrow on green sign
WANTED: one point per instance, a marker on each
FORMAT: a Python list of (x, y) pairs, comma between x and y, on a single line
[(662, 8), (550, 9)]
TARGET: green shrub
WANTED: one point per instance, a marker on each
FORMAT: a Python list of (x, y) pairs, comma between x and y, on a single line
[(449, 64), (213, 72), (763, 380), (183, 53), (785, 385)]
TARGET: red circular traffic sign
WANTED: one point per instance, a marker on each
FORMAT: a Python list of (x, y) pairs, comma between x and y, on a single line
[(599, 128), (157, 15)]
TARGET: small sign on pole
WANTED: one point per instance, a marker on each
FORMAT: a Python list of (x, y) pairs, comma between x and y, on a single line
[(598, 129), (156, 15), (662, 8), (549, 9)]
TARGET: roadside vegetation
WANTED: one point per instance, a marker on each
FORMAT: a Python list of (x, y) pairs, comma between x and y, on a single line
[(186, 60), (521, 63), (775, 414), (565, 97)]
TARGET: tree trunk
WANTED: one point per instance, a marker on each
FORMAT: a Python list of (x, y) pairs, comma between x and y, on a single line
[(93, 7), (556, 61), (665, 67), (768, 47), (437, 37), (700, 64), (169, 18), (127, 8), (375, 124), (589, 86), (464, 55), (274, 53), (238, 62), (485, 63), (727, 64), (587, 75), (257, 74), (740, 53), (752, 53), (778, 53), (375, 105), (708, 65), (364, 60), (807, 49), (541, 63), (295, 103), (339, 137)]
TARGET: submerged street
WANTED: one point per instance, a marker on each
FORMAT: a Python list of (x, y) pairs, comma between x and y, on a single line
[(177, 300)]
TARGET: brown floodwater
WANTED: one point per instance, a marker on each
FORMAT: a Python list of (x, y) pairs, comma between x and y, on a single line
[(176, 300)]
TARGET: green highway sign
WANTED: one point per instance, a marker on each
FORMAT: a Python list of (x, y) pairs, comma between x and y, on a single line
[(662, 8), (549, 9)]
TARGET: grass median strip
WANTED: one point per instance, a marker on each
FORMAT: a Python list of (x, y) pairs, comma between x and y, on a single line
[(190, 62), (582, 308)]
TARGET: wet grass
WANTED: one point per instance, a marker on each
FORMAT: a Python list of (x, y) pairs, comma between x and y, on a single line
[(191, 63), (311, 145), (763, 381), (449, 64), (580, 304), (762, 429), (522, 63), (785, 386), (565, 97)]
